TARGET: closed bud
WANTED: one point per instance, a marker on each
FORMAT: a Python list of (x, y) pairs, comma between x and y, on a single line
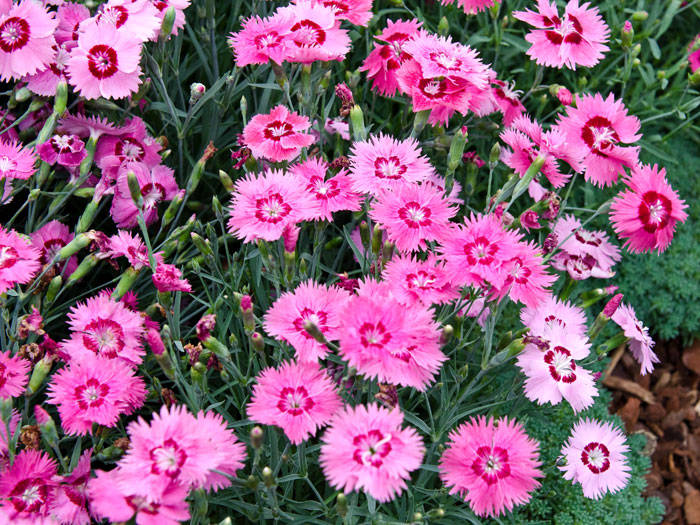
[(313, 330), (627, 34), (166, 27), (197, 91), (443, 26), (494, 10), (22, 94), (126, 281), (54, 287), (134, 189), (268, 477), (364, 233), (640, 16), (454, 157), (495, 153), (252, 482), (258, 342), (341, 505), (60, 101), (694, 79), (377, 235), (357, 122), (39, 373), (243, 104), (446, 335), (85, 267), (78, 243), (226, 181), (202, 244), (256, 437)]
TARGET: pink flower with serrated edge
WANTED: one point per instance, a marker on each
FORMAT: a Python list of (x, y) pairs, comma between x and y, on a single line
[(527, 279), (126, 244), (577, 38), (168, 278), (263, 39), (332, 193), (46, 81), (366, 448), (313, 302), (14, 375), (412, 214), (300, 398), (138, 18), (595, 458), (49, 239), (554, 312), (28, 488), (575, 240), (507, 100), (596, 128), (411, 280), (358, 12), (70, 15), (70, 505), (471, 7), (66, 150), (265, 204), (492, 465), (134, 144), (382, 162), (19, 260), (16, 161), (95, 390), (641, 344), (647, 212), (553, 374), (277, 136)]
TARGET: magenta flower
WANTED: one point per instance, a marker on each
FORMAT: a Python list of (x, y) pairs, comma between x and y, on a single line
[(263, 39), (105, 63), (300, 398), (177, 447), (526, 277), (133, 144), (267, 203), (640, 342), (358, 12), (83, 126), (383, 162), (315, 34), (694, 56), (126, 244), (471, 7), (13, 374), (528, 141), (595, 458), (27, 487), (365, 448), (412, 214), (647, 212), (322, 305), (385, 59), (16, 161), (278, 135), (15, 418), (411, 280), (95, 390), (553, 375), (118, 498), (594, 129), (578, 38), (507, 100), (383, 339), (493, 466), (576, 241), (138, 18), (19, 260), (70, 505), (107, 328), (67, 150), (26, 39), (168, 278), (70, 15), (333, 193), (553, 312)]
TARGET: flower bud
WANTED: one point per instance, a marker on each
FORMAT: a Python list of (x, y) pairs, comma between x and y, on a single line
[(495, 153), (78, 243), (694, 79), (60, 101), (640, 16), (134, 189), (41, 370), (258, 342), (54, 287), (357, 124), (256, 437), (341, 505), (166, 27), (446, 335), (443, 26), (226, 181), (454, 157), (564, 96), (246, 304), (268, 477), (46, 426), (313, 330), (202, 244), (627, 34), (85, 266), (197, 91)]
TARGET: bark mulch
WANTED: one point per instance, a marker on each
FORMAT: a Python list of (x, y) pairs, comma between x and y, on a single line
[(665, 406)]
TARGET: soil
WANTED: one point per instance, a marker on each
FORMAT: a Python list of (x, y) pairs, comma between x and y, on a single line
[(665, 406)]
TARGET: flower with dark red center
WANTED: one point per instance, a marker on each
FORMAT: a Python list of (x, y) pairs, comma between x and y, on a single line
[(167, 458), (19, 260), (371, 448), (491, 464), (277, 136), (27, 486), (295, 401)]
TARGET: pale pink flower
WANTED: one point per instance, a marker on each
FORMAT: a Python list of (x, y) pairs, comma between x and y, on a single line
[(411, 280), (66, 150), (157, 185), (70, 505), (595, 129), (27, 487), (493, 466), (471, 7), (178, 447), (358, 12), (105, 63), (507, 100), (95, 390), (528, 141), (579, 267), (119, 498), (178, 5), (595, 458), (333, 193), (14, 374), (107, 328), (300, 398), (577, 38), (138, 18), (412, 214), (526, 278), (16, 160), (49, 239), (168, 278), (382, 162), (640, 342), (315, 34), (553, 375), (263, 39), (385, 59), (265, 204), (646, 213), (366, 449), (26, 39), (574, 240), (553, 312), (19, 260), (322, 305), (277, 136), (337, 126), (383, 339), (44, 82)]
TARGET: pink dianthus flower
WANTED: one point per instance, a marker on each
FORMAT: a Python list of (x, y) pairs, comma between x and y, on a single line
[(263, 39), (316, 33), (358, 12), (13, 374), (411, 280), (471, 7), (277, 136), (70, 505), (66, 150), (16, 160), (168, 278), (27, 487), (576, 241), (640, 343), (526, 277), (507, 100), (19, 260), (553, 312), (138, 18)]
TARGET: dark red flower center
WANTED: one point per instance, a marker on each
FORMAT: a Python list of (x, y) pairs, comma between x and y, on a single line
[(596, 457), (129, 149), (116, 14), (374, 334), (654, 211), (371, 448), (420, 279), (168, 458), (104, 337), (64, 143), (432, 88), (446, 62), (50, 249), (415, 215), (561, 364), (142, 505), (338, 6), (480, 251), (295, 401), (29, 495), (152, 193), (598, 133), (319, 318), (491, 464), (14, 34), (518, 273), (91, 394), (277, 129), (268, 40), (568, 30), (323, 189), (272, 209), (389, 168), (308, 33), (102, 61), (588, 237), (8, 257)]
